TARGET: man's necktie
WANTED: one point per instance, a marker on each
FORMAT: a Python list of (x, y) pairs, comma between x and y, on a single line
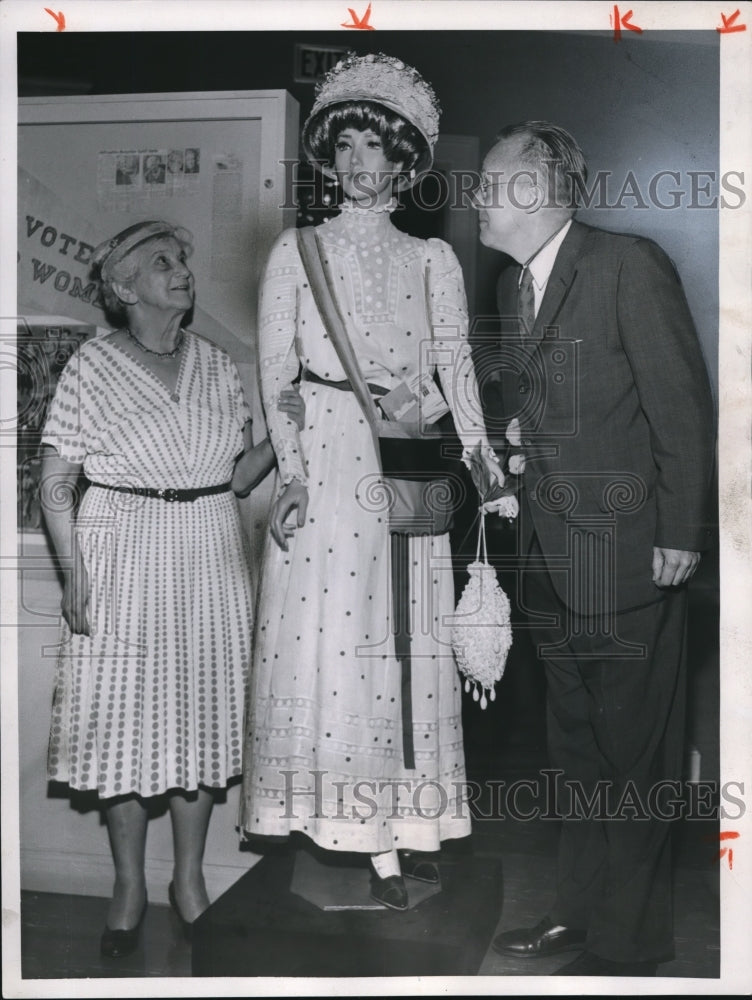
[(526, 302)]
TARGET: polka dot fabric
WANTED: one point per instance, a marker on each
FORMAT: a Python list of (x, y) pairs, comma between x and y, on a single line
[(153, 699), (323, 742)]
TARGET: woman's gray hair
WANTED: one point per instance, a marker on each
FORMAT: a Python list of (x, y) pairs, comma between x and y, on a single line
[(114, 260)]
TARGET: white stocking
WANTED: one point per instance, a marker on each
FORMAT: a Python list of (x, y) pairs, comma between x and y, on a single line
[(386, 863)]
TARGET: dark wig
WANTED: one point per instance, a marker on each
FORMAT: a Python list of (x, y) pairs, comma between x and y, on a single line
[(402, 142)]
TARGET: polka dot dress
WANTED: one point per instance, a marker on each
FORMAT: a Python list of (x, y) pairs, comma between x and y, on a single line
[(153, 699), (323, 743)]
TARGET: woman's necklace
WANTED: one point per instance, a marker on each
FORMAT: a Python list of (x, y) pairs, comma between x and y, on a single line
[(157, 354)]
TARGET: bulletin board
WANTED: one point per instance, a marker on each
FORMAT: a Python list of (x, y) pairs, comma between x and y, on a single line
[(217, 163)]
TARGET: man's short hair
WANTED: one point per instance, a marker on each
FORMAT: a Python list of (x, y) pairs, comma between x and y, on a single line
[(546, 145)]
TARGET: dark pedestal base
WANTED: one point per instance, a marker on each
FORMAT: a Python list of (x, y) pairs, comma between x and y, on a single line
[(260, 927)]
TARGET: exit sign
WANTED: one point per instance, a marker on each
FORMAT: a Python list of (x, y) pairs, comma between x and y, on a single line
[(312, 61)]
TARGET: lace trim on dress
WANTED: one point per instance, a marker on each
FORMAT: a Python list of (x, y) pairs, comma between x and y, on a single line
[(356, 209)]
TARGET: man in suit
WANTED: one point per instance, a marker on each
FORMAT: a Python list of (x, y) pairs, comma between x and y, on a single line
[(604, 370)]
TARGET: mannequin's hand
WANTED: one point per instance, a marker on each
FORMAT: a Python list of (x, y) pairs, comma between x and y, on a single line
[(293, 497), (291, 403)]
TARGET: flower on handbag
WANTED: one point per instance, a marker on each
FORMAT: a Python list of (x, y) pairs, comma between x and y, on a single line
[(507, 506), (498, 492), (514, 435)]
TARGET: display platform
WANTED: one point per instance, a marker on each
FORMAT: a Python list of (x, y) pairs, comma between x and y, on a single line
[(301, 912)]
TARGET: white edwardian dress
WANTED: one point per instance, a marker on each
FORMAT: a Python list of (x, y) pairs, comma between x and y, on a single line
[(323, 743)]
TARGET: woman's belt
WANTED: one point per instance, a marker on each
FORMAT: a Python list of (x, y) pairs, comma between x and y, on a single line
[(344, 385), (169, 494)]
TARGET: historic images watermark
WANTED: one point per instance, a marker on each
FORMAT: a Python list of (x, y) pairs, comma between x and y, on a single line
[(317, 794), (666, 189)]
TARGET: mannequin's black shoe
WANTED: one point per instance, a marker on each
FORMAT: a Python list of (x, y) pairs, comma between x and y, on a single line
[(588, 964), (546, 938), (119, 943), (419, 866), (389, 891)]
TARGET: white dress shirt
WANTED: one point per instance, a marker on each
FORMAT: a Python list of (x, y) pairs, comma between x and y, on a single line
[(542, 264)]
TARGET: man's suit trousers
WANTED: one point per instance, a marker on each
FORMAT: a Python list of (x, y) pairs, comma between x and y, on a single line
[(615, 715)]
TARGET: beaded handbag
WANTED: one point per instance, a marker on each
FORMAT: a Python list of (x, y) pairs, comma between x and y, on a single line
[(481, 631)]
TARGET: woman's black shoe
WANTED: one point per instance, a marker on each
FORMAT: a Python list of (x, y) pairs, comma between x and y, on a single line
[(186, 925), (419, 866), (117, 943), (389, 891)]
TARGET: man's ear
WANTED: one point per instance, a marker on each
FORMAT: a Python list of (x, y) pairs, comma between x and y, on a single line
[(538, 198), (535, 196), (124, 293)]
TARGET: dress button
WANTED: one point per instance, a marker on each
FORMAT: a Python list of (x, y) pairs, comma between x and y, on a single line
[(175, 398)]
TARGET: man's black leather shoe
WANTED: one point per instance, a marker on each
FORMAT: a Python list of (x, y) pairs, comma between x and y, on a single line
[(588, 964), (540, 941)]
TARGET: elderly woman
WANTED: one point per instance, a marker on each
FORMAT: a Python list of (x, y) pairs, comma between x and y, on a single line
[(329, 703), (157, 602)]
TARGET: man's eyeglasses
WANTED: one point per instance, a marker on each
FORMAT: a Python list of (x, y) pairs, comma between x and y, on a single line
[(485, 186)]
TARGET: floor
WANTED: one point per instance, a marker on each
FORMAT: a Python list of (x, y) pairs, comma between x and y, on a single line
[(60, 934)]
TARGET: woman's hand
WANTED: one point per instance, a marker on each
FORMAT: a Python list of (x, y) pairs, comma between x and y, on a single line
[(75, 605), (58, 495), (294, 496), (291, 403)]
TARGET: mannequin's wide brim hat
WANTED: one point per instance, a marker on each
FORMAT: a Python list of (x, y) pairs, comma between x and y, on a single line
[(383, 80)]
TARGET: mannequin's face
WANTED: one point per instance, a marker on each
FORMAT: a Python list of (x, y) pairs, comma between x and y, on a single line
[(364, 172)]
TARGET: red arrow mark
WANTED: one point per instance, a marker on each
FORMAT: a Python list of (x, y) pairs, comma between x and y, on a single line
[(623, 22), (727, 851), (60, 18), (360, 22), (728, 24)]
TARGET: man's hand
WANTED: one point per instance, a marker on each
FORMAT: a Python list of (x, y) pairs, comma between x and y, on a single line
[(294, 495), (673, 567)]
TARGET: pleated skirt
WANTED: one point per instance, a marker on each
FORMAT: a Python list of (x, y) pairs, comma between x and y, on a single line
[(153, 699)]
